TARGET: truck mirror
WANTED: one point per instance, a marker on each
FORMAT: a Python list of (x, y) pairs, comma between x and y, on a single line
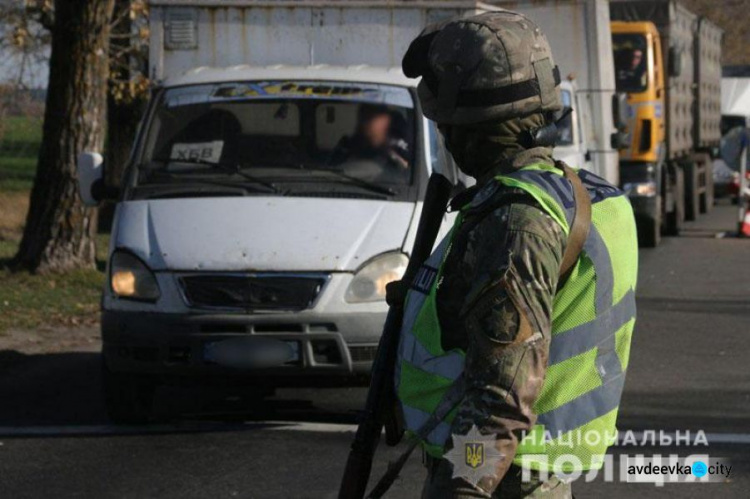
[(620, 110), (675, 62), (91, 179), (619, 140)]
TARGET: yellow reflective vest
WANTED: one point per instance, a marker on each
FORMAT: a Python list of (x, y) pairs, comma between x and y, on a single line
[(592, 324)]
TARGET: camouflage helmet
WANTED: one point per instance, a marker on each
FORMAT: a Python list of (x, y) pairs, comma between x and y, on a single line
[(492, 66)]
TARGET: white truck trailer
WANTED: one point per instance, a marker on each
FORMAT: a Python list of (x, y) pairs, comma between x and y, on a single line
[(186, 34), (245, 211), (581, 40)]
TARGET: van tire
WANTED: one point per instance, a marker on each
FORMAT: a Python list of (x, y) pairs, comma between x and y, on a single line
[(128, 397)]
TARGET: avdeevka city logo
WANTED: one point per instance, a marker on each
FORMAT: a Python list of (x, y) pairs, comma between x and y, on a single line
[(473, 456)]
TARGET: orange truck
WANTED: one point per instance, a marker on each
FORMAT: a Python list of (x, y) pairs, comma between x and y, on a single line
[(668, 62)]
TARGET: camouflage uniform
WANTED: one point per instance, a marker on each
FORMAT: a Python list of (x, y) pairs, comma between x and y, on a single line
[(487, 80), (506, 334)]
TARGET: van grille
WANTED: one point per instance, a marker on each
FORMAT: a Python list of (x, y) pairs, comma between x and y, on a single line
[(251, 292), (363, 353)]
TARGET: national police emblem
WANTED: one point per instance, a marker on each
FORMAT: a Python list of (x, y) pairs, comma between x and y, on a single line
[(473, 456)]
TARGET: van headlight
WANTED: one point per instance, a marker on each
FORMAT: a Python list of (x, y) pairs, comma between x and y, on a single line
[(130, 278), (369, 282)]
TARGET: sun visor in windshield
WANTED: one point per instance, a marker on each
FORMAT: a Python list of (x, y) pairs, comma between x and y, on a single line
[(354, 92)]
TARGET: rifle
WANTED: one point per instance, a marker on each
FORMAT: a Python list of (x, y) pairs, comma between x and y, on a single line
[(381, 399)]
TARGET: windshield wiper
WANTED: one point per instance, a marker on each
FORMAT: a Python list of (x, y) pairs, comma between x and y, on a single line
[(232, 168), (372, 186), (236, 169), (201, 181)]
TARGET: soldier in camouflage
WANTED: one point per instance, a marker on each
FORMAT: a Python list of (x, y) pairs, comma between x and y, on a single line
[(489, 81)]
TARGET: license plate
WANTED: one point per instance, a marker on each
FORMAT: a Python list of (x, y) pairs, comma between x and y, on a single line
[(252, 352)]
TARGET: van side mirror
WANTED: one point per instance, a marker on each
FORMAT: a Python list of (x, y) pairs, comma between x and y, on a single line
[(91, 177), (675, 62)]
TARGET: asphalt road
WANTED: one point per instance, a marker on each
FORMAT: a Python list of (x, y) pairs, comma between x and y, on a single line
[(688, 371)]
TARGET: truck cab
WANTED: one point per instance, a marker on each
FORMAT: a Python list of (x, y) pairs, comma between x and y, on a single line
[(653, 187), (667, 60), (639, 74)]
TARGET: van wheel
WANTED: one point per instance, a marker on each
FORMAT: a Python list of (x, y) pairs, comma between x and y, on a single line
[(128, 397)]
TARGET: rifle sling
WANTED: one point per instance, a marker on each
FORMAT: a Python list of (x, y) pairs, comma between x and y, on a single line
[(450, 400)]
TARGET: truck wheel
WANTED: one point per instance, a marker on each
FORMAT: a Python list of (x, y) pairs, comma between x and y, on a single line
[(649, 232), (128, 397), (707, 196), (692, 190), (676, 217)]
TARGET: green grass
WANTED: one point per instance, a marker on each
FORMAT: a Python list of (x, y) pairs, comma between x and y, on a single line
[(19, 148), (17, 174), (7, 249), (22, 131), (32, 300)]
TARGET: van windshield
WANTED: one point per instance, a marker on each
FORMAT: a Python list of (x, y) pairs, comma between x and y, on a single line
[(630, 54), (282, 135)]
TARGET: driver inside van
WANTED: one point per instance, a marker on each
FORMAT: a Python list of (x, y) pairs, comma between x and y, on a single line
[(378, 137)]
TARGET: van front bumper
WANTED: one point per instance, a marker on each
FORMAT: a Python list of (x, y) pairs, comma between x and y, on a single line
[(336, 347)]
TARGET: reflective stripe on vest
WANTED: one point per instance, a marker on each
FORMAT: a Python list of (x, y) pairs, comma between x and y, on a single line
[(593, 319)]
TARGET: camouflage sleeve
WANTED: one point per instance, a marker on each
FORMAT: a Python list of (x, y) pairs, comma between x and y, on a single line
[(515, 253)]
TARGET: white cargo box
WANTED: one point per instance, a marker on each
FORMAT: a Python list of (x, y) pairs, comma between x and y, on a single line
[(581, 40), (186, 34)]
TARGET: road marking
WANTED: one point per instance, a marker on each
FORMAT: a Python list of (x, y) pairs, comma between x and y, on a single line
[(183, 427), (209, 426), (315, 427), (712, 438)]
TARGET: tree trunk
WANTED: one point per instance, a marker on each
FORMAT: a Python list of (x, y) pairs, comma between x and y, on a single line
[(122, 124), (123, 116), (59, 232)]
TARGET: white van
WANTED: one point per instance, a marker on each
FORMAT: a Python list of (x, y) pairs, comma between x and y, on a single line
[(269, 202)]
